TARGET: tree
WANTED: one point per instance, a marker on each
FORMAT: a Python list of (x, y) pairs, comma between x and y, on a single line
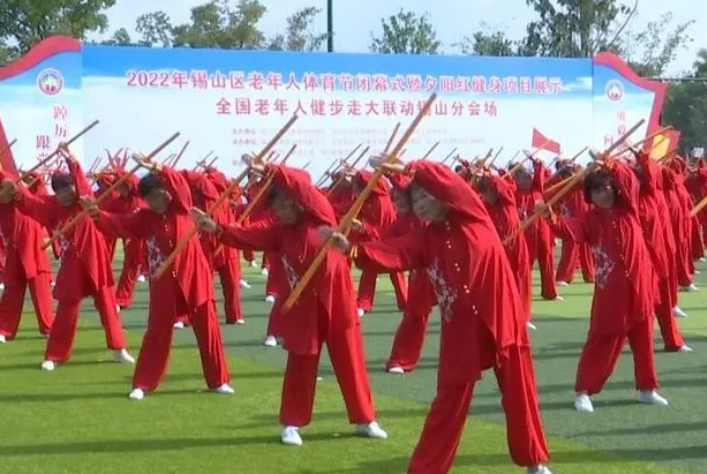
[(120, 38), (406, 33), (299, 35), (218, 24), (155, 28), (650, 51), (23, 23), (574, 28), (686, 105), (487, 43)]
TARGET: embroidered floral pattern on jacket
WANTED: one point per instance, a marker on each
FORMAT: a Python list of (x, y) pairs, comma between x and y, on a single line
[(290, 273), (565, 210), (63, 242), (603, 266), (154, 255), (446, 295)]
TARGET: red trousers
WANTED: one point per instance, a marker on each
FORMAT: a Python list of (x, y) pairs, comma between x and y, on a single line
[(63, 331), (265, 263), (683, 260), (542, 249), (349, 363), (276, 276), (600, 353), (410, 337), (276, 319), (669, 329), (131, 270), (697, 243), (573, 255), (13, 298), (152, 362), (367, 289), (443, 428), (525, 289), (230, 275)]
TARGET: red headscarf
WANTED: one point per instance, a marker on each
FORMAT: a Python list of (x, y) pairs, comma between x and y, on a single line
[(363, 177), (400, 181), (298, 185), (449, 188)]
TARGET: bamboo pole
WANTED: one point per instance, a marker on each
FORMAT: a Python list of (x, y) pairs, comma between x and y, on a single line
[(70, 225), (429, 152), (347, 220), (55, 152), (341, 178), (451, 153), (225, 195)]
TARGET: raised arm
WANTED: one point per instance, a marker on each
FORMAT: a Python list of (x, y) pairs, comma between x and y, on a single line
[(178, 187), (42, 209), (626, 182), (124, 226), (395, 254), (262, 236)]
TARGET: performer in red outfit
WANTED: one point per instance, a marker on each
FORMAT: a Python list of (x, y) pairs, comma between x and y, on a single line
[(538, 236), (573, 254), (26, 265), (499, 201), (483, 319), (85, 263), (625, 283), (377, 211), (325, 313), (185, 288), (681, 227), (648, 173), (37, 187), (410, 336), (125, 200)]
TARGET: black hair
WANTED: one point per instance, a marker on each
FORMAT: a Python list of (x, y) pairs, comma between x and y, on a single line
[(597, 180), (458, 169), (148, 184), (61, 181)]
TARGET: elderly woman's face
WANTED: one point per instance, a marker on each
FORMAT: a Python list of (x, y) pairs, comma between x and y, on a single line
[(426, 206)]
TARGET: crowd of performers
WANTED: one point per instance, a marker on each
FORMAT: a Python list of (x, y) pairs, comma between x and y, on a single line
[(450, 238)]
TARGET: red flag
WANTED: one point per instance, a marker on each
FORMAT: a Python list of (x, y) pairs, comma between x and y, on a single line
[(544, 143)]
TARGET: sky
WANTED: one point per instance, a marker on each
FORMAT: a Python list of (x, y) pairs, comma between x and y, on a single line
[(355, 20)]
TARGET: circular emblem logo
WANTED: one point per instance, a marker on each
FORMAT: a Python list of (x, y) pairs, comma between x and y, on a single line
[(614, 90), (50, 81)]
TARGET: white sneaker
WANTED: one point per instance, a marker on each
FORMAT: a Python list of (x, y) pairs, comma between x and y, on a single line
[(583, 403), (270, 341), (685, 349), (48, 365), (240, 321), (3, 339), (701, 259), (224, 389), (252, 264), (265, 272), (651, 397), (561, 283), (2, 286), (559, 298), (361, 312), (245, 284), (123, 356), (136, 394), (117, 308), (179, 325), (142, 279), (531, 326), (270, 299), (396, 370), (290, 436), (691, 288), (539, 470), (53, 284), (371, 430), (679, 313), (697, 272)]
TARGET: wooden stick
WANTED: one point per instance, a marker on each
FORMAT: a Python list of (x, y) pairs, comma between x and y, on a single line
[(347, 220), (568, 186), (451, 153), (70, 225), (325, 175), (8, 147), (392, 137), (306, 165), (180, 154), (341, 178), (557, 185), (53, 154), (168, 160), (429, 152), (220, 200), (495, 157)]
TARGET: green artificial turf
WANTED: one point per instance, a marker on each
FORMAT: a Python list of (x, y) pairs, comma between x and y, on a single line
[(78, 419)]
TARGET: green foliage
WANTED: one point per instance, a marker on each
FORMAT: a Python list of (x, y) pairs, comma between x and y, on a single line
[(406, 33), (299, 35), (23, 23), (155, 28), (486, 42), (686, 105)]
